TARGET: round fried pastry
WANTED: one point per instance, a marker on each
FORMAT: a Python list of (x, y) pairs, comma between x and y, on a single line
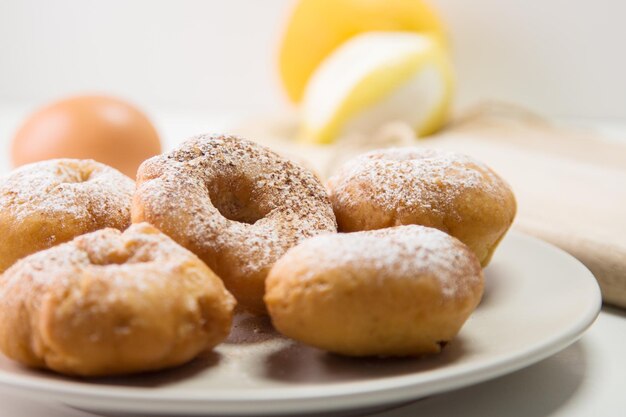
[(235, 204), (445, 190), (50, 202), (400, 291), (112, 303)]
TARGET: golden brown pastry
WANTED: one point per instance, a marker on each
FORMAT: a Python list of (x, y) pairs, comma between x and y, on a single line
[(448, 191), (400, 291), (112, 303), (50, 202), (235, 204)]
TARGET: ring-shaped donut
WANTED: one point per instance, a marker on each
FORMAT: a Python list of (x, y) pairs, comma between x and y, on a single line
[(110, 303), (236, 204)]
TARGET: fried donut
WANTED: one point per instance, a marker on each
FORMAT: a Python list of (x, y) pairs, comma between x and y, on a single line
[(235, 204), (448, 191), (111, 303), (50, 202), (401, 291)]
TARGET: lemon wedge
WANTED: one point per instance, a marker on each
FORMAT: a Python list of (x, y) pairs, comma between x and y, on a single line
[(316, 27), (377, 78)]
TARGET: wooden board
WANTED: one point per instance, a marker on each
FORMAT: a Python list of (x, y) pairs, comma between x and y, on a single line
[(570, 185)]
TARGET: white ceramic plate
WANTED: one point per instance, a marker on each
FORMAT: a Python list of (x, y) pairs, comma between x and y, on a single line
[(538, 300)]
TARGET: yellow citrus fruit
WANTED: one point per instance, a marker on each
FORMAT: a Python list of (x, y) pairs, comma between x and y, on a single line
[(377, 78), (317, 27)]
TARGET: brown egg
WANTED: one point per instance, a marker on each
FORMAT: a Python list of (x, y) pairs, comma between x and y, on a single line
[(106, 129)]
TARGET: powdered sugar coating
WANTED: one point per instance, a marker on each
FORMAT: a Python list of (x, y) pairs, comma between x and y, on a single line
[(110, 302), (448, 191), (104, 252), (403, 179), (81, 188), (236, 204), (50, 202), (404, 252)]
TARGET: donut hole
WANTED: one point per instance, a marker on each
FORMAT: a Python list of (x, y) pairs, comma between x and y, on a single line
[(109, 258), (85, 175), (72, 174), (120, 257), (235, 199)]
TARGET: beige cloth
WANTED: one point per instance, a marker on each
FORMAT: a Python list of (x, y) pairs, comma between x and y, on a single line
[(570, 185)]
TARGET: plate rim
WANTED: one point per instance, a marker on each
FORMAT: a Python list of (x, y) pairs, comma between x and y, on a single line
[(343, 396)]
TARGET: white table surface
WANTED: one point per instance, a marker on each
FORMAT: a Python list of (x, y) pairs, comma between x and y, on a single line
[(586, 379)]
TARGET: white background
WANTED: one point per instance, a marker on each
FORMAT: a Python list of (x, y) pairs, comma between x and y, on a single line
[(563, 58)]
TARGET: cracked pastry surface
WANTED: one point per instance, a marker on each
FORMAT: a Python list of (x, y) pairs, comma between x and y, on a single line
[(110, 303)]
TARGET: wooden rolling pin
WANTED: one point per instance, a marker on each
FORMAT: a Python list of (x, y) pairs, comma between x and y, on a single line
[(570, 185)]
